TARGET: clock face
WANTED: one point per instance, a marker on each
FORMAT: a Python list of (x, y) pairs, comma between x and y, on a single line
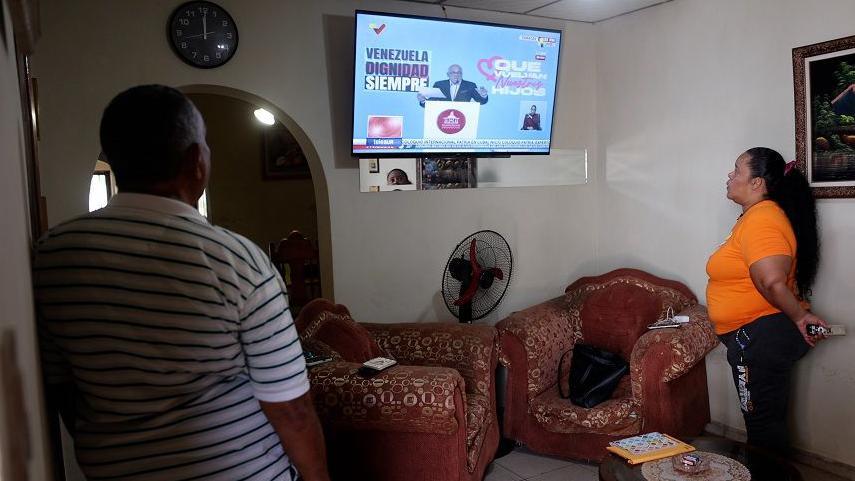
[(202, 34)]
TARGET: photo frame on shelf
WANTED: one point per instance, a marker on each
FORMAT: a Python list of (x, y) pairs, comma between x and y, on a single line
[(282, 156), (824, 83), (449, 173)]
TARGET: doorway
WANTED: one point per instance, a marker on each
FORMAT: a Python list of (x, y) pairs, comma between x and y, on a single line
[(266, 178)]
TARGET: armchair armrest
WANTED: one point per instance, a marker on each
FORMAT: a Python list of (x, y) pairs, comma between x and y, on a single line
[(402, 398), (469, 349), (543, 332), (668, 354)]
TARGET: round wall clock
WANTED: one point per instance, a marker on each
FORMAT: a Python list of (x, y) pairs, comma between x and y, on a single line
[(202, 34)]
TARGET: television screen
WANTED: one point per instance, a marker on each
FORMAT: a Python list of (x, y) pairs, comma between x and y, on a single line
[(426, 87)]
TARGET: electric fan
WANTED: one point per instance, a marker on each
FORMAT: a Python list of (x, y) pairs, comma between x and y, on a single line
[(477, 275)]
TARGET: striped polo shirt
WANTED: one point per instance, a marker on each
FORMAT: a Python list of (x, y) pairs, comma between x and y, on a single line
[(172, 330)]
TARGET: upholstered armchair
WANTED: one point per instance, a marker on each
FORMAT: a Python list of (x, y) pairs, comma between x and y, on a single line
[(666, 389), (430, 417)]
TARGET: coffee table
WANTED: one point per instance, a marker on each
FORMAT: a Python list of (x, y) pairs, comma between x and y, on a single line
[(763, 465)]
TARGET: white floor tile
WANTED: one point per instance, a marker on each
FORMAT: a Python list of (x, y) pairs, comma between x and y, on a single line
[(526, 464), (573, 472), (498, 473)]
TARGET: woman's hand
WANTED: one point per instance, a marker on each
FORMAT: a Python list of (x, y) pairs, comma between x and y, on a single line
[(769, 275), (811, 318)]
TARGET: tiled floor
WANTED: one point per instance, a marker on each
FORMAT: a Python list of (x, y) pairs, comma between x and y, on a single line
[(523, 464)]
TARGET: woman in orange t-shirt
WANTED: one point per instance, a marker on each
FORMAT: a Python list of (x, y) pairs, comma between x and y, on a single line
[(759, 283)]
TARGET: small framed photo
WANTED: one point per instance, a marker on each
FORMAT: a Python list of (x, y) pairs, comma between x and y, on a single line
[(282, 157), (824, 80), (436, 174), (373, 166)]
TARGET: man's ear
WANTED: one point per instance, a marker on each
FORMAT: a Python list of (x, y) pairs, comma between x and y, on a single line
[(194, 161)]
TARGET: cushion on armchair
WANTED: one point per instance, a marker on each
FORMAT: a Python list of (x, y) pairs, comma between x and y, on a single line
[(615, 316), (335, 328)]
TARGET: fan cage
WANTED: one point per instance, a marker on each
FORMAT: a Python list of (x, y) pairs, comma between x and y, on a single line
[(491, 250)]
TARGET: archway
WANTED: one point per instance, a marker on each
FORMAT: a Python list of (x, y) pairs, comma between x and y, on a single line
[(318, 177)]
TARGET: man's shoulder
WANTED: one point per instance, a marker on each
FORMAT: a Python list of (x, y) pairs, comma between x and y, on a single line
[(65, 226), (175, 228), (237, 238)]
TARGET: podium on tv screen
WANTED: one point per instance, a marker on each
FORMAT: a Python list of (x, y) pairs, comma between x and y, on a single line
[(451, 120)]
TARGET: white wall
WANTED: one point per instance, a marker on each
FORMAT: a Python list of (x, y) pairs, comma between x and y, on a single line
[(683, 89), (16, 295), (388, 252)]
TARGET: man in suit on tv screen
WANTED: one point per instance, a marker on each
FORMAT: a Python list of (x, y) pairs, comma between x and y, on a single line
[(456, 89)]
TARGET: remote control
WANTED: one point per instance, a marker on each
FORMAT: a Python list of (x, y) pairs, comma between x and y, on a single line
[(833, 330), (373, 366)]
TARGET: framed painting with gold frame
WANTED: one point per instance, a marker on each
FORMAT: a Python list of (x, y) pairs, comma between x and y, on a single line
[(824, 81)]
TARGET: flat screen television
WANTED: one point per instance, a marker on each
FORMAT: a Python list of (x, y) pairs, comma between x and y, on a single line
[(433, 87)]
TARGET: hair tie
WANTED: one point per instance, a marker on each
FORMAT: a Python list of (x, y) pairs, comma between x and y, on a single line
[(789, 166)]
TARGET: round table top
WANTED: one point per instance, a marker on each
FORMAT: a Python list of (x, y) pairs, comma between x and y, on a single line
[(764, 466)]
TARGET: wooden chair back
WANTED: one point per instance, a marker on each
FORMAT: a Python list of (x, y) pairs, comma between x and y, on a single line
[(296, 258)]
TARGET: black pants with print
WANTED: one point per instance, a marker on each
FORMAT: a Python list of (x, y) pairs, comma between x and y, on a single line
[(761, 355)]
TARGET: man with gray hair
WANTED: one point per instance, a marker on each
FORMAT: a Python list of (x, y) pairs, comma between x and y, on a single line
[(172, 336), (456, 89)]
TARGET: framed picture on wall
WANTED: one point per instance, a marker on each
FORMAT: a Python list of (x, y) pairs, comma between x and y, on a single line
[(824, 80), (282, 157)]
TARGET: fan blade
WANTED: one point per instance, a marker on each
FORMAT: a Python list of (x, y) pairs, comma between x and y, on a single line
[(472, 288), (467, 296), (497, 273), (473, 258)]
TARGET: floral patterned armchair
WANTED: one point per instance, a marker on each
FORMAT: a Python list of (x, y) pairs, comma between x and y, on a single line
[(432, 416), (665, 391)]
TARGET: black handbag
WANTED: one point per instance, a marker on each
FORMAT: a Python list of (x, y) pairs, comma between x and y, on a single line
[(594, 375)]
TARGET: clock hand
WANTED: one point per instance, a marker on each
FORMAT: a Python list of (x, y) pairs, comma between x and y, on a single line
[(204, 27), (199, 35)]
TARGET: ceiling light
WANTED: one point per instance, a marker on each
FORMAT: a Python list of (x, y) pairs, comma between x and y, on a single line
[(264, 117)]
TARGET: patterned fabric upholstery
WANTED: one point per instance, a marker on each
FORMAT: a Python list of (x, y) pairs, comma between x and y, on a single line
[(611, 312), (688, 346), (616, 416), (546, 331), (479, 417), (339, 331), (404, 398), (466, 348), (442, 385)]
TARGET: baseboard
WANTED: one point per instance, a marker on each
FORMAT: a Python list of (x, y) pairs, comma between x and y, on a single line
[(725, 431), (799, 455)]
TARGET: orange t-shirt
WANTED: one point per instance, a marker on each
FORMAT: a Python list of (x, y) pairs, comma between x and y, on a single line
[(732, 299)]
